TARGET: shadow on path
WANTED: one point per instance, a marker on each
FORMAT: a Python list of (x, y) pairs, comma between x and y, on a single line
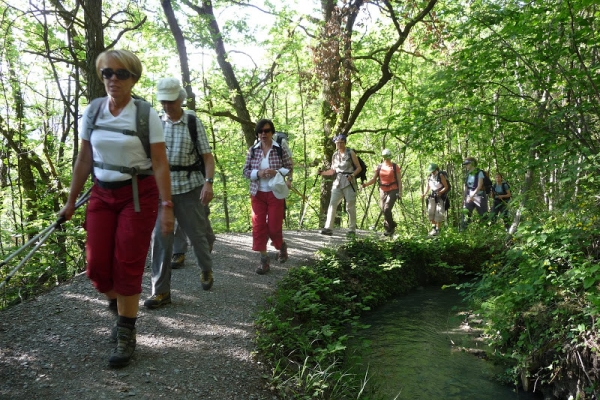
[(56, 346)]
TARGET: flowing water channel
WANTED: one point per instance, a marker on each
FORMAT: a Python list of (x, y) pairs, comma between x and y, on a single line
[(416, 351)]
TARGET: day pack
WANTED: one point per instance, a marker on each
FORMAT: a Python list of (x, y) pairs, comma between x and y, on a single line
[(199, 164), (142, 129), (487, 182), (447, 180), (505, 188), (363, 173), (395, 168), (282, 140)]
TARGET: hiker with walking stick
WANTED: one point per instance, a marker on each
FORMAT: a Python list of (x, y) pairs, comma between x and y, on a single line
[(390, 189), (131, 174), (345, 167)]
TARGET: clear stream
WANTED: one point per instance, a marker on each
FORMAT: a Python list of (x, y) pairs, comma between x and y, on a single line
[(414, 352)]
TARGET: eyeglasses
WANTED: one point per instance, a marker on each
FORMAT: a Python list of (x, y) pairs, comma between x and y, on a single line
[(122, 74), (268, 130)]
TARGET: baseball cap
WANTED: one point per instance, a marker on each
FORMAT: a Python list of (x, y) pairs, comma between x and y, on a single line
[(386, 153), (168, 89), (432, 167), (339, 137), (469, 160)]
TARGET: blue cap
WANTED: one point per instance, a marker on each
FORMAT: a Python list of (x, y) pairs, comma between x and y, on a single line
[(339, 137)]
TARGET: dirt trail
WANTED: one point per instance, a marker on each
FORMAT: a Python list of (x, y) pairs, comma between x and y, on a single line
[(199, 347)]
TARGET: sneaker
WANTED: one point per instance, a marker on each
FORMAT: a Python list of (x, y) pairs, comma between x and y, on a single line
[(206, 279), (123, 353), (434, 232), (283, 254), (264, 265), (158, 300), (326, 231), (351, 235), (177, 260)]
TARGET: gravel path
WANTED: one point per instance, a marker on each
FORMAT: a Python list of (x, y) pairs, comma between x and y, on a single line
[(199, 347)]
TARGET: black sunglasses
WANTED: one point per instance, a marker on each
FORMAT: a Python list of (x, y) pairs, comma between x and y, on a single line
[(268, 130), (122, 74)]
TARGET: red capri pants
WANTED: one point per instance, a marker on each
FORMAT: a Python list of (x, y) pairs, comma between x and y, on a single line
[(267, 220), (118, 238)]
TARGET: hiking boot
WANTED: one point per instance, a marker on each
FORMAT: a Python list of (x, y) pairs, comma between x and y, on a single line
[(206, 279), (112, 306), (158, 300), (326, 231), (283, 254), (264, 265), (177, 260), (122, 354), (113, 334)]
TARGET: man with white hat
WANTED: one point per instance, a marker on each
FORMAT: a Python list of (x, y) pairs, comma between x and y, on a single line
[(190, 189)]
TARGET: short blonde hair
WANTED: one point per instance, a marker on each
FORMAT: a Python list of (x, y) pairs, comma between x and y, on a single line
[(129, 60)]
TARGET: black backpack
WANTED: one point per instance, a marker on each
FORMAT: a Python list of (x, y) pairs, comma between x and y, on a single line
[(198, 165), (487, 182), (395, 168), (363, 167), (447, 180), (505, 188)]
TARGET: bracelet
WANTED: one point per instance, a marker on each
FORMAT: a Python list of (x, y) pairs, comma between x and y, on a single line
[(166, 203)]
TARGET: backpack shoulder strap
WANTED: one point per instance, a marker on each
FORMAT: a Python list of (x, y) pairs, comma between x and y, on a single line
[(142, 120), (193, 129), (92, 113)]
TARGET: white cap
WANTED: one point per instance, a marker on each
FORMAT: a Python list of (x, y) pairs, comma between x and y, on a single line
[(386, 153), (168, 89)]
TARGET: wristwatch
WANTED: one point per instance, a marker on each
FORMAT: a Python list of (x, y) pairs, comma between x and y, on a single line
[(210, 180)]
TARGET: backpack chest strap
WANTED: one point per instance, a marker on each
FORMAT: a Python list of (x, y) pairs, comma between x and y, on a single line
[(108, 128)]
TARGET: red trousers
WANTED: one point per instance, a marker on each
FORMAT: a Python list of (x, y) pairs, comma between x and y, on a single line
[(267, 220), (118, 238)]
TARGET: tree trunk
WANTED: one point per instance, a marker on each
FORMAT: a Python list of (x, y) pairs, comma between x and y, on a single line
[(182, 51), (239, 102)]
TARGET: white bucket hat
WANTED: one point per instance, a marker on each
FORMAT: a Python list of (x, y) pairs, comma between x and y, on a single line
[(278, 186)]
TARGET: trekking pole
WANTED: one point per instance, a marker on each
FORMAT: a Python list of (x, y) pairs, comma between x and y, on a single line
[(44, 235)]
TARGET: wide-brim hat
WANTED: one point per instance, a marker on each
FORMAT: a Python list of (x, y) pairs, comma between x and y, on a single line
[(278, 186), (168, 89)]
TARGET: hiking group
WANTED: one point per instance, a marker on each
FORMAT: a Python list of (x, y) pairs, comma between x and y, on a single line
[(478, 189), (153, 173)]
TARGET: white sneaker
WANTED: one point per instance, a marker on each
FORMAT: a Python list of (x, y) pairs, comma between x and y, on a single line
[(433, 232)]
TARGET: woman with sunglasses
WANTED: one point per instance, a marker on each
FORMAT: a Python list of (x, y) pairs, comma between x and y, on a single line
[(119, 228), (265, 159)]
